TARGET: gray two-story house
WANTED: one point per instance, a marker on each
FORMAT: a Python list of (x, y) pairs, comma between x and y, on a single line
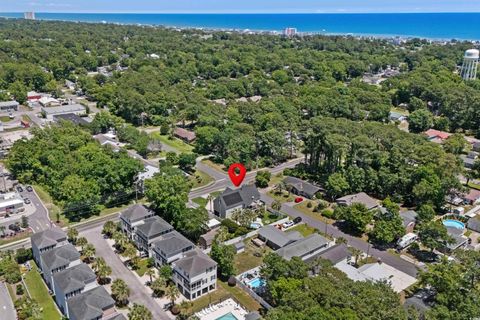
[(45, 241), (94, 304), (236, 199), (56, 260), (72, 282), (195, 274), (150, 231), (172, 247), (133, 217)]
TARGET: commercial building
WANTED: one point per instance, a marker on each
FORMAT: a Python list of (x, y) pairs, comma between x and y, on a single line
[(470, 64), (10, 203), (9, 105), (49, 112)]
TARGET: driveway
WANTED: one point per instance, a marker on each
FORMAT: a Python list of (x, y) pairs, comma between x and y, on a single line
[(6, 305), (138, 291)]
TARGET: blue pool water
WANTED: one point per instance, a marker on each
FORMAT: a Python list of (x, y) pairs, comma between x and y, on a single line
[(255, 225), (228, 316), (257, 282), (454, 224)]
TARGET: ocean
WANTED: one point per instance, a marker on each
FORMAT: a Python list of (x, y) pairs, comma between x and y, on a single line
[(446, 26)]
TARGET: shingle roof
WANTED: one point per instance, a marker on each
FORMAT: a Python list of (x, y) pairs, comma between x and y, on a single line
[(185, 134), (275, 236), (303, 186), (74, 278), (172, 243), (135, 213), (48, 238), (243, 196), (59, 257), (361, 197), (335, 254), (408, 217), (153, 226), (90, 304), (303, 246), (194, 263)]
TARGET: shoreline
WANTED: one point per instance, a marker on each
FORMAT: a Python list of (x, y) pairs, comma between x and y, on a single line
[(253, 31)]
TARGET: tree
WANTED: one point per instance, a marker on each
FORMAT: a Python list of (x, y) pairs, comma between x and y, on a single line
[(244, 217), (210, 199), (420, 120), (165, 272), (455, 144), (23, 255), (130, 252), (121, 240), (158, 286), (102, 269), (150, 273), (434, 235), (139, 312), (72, 235), (425, 213), (356, 253), (355, 216), (187, 161), (337, 186), (276, 205), (109, 228), (19, 91), (224, 256), (120, 292), (172, 293), (2, 229), (88, 251), (262, 178), (24, 222), (81, 242), (192, 222)]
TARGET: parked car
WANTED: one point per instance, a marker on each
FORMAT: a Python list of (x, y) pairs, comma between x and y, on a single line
[(29, 188), (27, 201), (19, 189), (297, 220), (298, 199), (14, 227), (288, 224)]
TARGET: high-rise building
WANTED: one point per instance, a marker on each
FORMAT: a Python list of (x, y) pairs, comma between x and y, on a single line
[(290, 32), (29, 15), (470, 64)]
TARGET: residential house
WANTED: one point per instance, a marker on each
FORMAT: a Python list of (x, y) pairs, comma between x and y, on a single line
[(195, 275), (301, 188), (206, 239), (94, 304), (334, 254), (132, 217), (275, 238), (472, 197), (149, 232), (45, 241), (469, 159), (409, 219), (396, 116), (73, 282), (476, 147), (236, 199), (305, 248), (172, 247), (436, 135), (56, 260), (184, 134), (147, 173), (70, 85), (361, 197)]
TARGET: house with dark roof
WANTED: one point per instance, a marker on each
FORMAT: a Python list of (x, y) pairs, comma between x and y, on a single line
[(236, 199), (409, 219), (132, 217), (71, 117), (476, 146), (45, 241), (334, 254), (150, 231), (184, 134), (301, 188), (170, 248), (93, 304), (275, 238), (305, 248), (361, 197), (73, 282), (195, 274), (56, 260)]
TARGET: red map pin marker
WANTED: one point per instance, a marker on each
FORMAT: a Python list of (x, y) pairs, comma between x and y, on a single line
[(234, 177)]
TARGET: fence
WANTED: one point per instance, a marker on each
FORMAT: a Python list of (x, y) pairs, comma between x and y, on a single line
[(255, 296)]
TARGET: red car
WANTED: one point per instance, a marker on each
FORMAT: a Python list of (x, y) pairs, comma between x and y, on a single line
[(298, 199)]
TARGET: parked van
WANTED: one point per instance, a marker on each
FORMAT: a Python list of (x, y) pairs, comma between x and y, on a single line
[(406, 240)]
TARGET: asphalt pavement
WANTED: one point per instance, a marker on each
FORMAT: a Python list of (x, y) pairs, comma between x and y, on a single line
[(7, 310)]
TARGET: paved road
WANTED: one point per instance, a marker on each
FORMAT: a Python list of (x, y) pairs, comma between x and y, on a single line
[(7, 310), (138, 293)]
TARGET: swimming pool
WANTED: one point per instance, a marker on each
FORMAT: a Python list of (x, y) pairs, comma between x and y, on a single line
[(256, 283), (453, 224), (228, 316), (255, 225)]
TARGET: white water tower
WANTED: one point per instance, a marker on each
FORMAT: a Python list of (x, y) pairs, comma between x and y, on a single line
[(470, 64)]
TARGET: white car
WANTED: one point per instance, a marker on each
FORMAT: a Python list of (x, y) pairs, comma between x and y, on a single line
[(288, 224)]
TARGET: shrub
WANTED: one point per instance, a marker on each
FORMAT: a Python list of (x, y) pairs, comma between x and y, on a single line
[(19, 290), (164, 129), (230, 224), (232, 281), (23, 255), (309, 204), (327, 213), (322, 205)]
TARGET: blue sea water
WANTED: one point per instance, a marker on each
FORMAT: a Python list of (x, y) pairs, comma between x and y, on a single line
[(447, 26)]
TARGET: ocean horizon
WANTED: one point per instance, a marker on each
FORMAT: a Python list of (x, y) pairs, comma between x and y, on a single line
[(442, 26)]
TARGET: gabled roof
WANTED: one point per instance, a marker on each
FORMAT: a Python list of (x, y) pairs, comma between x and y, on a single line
[(48, 238), (303, 246), (153, 226), (302, 185), (185, 134), (90, 304), (59, 257), (135, 213), (243, 196), (276, 236), (432, 133), (172, 243), (408, 217), (335, 254), (74, 278), (194, 263), (361, 197)]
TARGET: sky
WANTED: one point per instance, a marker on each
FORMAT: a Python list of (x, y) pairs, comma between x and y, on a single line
[(240, 6)]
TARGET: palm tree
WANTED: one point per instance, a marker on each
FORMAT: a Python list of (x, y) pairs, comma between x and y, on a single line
[(121, 240), (120, 292), (98, 264), (150, 273), (276, 205), (130, 252), (172, 293), (158, 287), (72, 235), (2, 229), (81, 242), (185, 310), (210, 199), (139, 312), (356, 253), (88, 252), (109, 228), (103, 271)]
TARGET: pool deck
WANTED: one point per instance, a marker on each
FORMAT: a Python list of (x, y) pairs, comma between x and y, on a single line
[(217, 311)]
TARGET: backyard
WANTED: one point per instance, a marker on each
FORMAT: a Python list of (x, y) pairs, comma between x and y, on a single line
[(308, 210), (304, 229), (175, 143), (252, 257)]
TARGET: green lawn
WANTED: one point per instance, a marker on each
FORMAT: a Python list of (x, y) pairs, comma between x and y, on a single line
[(39, 292), (175, 143), (202, 202), (276, 179), (15, 238), (474, 186), (248, 260), (283, 197), (5, 119), (304, 229), (142, 267), (302, 207), (200, 179)]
